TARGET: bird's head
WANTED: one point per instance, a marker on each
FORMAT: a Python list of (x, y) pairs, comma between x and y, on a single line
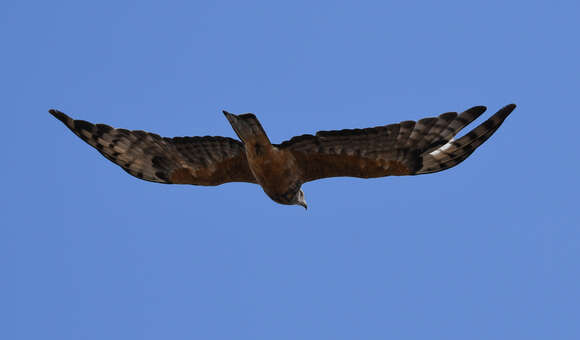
[(299, 199)]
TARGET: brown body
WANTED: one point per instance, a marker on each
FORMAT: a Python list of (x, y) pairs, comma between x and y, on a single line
[(273, 168), (406, 148)]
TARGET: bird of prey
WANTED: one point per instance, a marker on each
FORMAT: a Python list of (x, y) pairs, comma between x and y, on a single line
[(406, 148)]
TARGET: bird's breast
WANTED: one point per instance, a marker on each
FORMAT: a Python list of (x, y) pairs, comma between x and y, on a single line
[(276, 171)]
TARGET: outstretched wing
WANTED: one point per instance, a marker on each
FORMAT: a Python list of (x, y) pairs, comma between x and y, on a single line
[(180, 160), (406, 148)]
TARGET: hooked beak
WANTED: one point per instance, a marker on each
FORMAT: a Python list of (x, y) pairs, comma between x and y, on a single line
[(304, 205)]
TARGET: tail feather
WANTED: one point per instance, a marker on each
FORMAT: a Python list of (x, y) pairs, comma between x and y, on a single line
[(247, 127)]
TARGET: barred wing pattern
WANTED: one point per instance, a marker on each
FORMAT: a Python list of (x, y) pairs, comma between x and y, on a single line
[(406, 148), (180, 160)]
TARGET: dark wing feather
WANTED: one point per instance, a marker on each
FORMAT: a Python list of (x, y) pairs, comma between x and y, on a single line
[(180, 160), (406, 148), (456, 151)]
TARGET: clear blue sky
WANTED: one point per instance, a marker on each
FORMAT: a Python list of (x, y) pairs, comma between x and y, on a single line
[(487, 250)]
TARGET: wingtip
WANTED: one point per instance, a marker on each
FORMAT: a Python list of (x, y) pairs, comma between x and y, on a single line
[(506, 111), (479, 109), (510, 107), (59, 115)]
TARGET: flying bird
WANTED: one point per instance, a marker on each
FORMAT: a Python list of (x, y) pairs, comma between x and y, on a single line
[(406, 148)]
